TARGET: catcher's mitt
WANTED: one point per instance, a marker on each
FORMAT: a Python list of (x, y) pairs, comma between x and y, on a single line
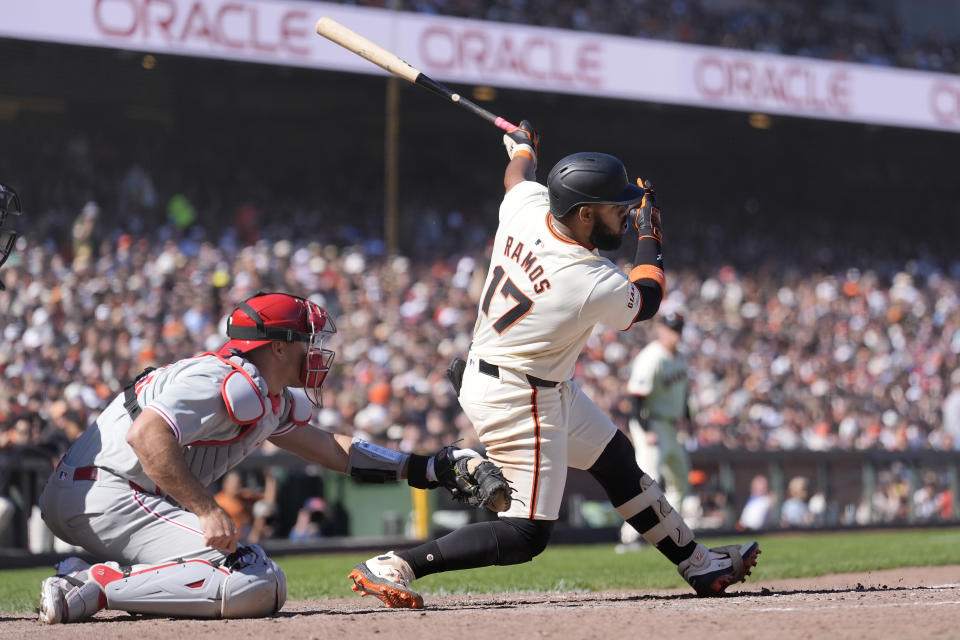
[(473, 480)]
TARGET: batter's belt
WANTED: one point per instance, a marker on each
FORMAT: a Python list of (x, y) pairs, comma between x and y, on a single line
[(493, 371)]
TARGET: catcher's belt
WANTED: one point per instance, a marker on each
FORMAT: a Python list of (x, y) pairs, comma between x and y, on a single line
[(493, 371)]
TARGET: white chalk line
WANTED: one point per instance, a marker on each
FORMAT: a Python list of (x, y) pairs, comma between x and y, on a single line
[(859, 604)]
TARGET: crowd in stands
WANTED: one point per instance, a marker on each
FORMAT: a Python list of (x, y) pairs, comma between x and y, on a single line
[(816, 360), (820, 361), (829, 29)]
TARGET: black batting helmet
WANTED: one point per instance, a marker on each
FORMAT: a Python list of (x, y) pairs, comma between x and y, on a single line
[(589, 178), (9, 205)]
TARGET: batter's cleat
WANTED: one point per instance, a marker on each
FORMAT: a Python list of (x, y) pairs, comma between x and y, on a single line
[(387, 577), (53, 603), (711, 571)]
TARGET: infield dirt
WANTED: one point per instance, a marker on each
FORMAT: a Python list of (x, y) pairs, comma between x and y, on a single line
[(895, 603)]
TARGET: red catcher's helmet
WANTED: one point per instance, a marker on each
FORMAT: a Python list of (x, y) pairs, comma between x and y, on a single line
[(266, 317)]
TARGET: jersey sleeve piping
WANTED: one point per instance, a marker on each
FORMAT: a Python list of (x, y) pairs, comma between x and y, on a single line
[(166, 418)]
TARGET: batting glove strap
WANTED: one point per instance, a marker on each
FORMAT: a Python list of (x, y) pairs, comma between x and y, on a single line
[(513, 149)]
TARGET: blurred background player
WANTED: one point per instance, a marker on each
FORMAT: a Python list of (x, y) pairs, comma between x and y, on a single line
[(546, 289), (132, 489), (659, 386), (9, 206)]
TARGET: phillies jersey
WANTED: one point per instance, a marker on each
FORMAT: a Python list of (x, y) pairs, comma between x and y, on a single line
[(544, 292), (198, 404), (661, 378)]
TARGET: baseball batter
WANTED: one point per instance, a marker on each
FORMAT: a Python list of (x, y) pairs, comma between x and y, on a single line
[(132, 489), (546, 289), (659, 387)]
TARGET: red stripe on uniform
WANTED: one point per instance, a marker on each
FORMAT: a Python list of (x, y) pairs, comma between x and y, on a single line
[(173, 564), (536, 452), (136, 496)]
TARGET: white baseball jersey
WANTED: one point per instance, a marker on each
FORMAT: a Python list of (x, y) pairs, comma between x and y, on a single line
[(199, 398), (661, 377), (542, 297), (545, 292)]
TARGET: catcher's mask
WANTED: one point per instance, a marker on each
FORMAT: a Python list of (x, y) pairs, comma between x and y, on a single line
[(9, 205), (266, 317)]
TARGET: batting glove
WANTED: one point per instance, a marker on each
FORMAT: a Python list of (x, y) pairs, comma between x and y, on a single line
[(523, 140), (646, 217)]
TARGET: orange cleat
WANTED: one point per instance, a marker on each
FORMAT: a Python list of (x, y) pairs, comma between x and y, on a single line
[(386, 577)]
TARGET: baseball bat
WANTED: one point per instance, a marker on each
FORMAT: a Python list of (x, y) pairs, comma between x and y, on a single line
[(353, 41)]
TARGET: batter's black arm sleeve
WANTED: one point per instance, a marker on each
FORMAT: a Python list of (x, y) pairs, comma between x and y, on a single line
[(648, 276)]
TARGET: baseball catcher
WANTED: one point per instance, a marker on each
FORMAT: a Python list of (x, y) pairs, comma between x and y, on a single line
[(132, 490)]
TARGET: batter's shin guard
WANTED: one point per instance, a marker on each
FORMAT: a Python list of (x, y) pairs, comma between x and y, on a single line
[(658, 522), (640, 501)]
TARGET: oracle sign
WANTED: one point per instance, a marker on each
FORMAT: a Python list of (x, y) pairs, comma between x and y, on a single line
[(236, 26), (945, 103), (505, 55), (524, 55), (794, 86)]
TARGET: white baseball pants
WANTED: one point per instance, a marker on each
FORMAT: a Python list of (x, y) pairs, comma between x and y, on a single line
[(534, 434)]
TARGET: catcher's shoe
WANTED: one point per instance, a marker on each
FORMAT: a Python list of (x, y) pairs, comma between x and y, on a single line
[(387, 577), (711, 571), (53, 603)]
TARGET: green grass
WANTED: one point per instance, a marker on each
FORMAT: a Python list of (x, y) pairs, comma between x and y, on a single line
[(596, 567)]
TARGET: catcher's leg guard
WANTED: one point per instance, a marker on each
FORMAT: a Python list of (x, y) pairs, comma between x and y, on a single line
[(255, 587), (640, 501), (500, 542), (249, 585)]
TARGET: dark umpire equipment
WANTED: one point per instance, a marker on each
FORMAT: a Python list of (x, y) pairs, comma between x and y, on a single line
[(9, 205), (589, 178)]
